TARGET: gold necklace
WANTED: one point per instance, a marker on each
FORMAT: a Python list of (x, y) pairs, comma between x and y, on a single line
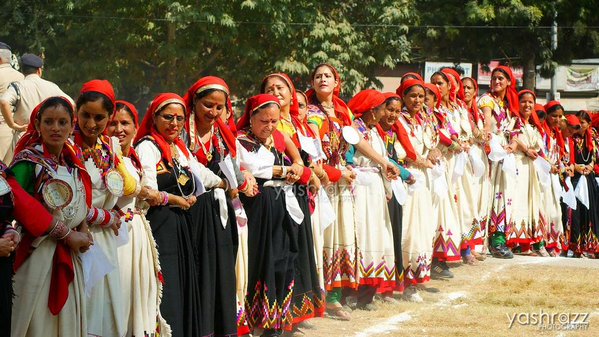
[(208, 153)]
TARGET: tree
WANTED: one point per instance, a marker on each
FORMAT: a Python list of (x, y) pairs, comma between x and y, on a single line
[(516, 32), (146, 47)]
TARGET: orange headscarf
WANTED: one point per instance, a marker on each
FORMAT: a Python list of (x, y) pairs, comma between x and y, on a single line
[(473, 108), (512, 91), (147, 125), (364, 101), (400, 131), (205, 83), (534, 116), (62, 264)]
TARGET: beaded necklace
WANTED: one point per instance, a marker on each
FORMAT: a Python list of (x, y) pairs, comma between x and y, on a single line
[(100, 155)]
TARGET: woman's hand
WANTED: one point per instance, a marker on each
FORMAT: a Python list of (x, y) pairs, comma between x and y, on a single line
[(531, 153), (251, 184), (348, 175), (7, 246), (178, 201), (294, 173), (392, 172), (191, 200), (434, 156), (511, 148), (78, 241), (315, 184)]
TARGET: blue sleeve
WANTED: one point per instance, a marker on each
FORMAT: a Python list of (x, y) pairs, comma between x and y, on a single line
[(404, 173), (349, 155)]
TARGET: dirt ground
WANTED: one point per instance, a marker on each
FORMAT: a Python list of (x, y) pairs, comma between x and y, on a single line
[(519, 297)]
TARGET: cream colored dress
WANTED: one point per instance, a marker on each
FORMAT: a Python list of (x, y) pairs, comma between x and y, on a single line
[(374, 236), (30, 314), (139, 267), (105, 307), (527, 227), (419, 219)]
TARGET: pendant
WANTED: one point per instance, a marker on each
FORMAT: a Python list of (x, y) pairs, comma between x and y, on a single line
[(183, 179), (209, 156)]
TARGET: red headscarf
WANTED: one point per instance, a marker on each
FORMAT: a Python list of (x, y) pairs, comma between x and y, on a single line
[(551, 104), (205, 83), (534, 116), (254, 103), (364, 101), (457, 87), (62, 267), (435, 91), (341, 109), (100, 86), (132, 154), (407, 84), (588, 134), (147, 125), (412, 75), (400, 131), (473, 108), (512, 91)]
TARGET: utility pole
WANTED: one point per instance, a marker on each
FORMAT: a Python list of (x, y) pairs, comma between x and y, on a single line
[(554, 95)]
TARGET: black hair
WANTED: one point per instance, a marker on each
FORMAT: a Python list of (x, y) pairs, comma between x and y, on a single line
[(54, 102), (541, 114), (412, 87), (581, 114), (207, 92), (92, 96), (554, 109), (28, 70), (503, 72), (266, 106), (390, 100), (320, 66), (442, 74), (121, 106)]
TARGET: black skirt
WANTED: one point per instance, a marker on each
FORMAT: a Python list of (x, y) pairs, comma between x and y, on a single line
[(215, 250), (171, 227), (308, 297), (396, 213), (270, 260), (584, 222)]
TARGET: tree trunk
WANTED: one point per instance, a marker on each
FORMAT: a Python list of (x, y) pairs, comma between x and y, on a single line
[(530, 71)]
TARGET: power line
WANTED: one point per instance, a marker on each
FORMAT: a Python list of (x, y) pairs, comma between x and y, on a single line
[(367, 25)]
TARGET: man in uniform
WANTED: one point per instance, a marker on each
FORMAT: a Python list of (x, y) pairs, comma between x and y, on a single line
[(7, 76), (23, 96)]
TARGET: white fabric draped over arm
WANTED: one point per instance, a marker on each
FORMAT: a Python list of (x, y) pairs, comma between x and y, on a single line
[(149, 156)]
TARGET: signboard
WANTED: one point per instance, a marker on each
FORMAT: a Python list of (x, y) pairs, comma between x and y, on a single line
[(431, 67), (484, 77)]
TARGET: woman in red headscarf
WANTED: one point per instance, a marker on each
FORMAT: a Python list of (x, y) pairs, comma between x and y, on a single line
[(478, 168), (273, 214), (399, 151), (419, 223), (556, 212), (308, 297), (500, 108), (101, 157), (584, 222), (48, 263), (170, 168), (327, 115), (374, 235), (448, 199), (529, 228), (138, 258), (212, 143)]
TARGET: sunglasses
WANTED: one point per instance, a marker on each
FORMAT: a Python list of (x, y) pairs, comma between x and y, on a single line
[(170, 118)]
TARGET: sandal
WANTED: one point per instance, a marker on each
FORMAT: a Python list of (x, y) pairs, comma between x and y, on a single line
[(480, 257), (339, 313)]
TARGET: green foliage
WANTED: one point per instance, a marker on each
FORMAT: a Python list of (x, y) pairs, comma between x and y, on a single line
[(147, 47)]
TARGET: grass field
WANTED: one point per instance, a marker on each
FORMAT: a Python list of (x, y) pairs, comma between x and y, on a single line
[(494, 298)]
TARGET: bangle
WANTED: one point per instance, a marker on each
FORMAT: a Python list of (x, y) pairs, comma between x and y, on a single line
[(59, 231), (164, 198), (284, 172), (65, 236)]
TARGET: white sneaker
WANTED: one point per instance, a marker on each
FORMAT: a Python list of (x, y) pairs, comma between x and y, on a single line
[(411, 294)]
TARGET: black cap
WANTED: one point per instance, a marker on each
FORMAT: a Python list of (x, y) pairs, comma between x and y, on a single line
[(4, 46), (31, 60)]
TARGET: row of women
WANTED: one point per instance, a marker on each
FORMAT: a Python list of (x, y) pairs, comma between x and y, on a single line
[(189, 224)]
